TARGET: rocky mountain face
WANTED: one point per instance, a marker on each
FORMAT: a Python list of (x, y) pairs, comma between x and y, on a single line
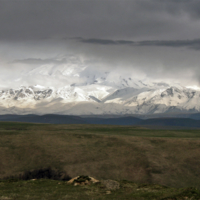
[(87, 92)]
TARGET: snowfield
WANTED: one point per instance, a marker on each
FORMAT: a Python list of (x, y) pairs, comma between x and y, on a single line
[(89, 93)]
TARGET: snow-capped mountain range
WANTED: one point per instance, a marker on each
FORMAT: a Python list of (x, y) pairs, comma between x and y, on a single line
[(91, 92)]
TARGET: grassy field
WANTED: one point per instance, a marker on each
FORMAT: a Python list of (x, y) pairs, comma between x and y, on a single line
[(51, 190), (141, 155)]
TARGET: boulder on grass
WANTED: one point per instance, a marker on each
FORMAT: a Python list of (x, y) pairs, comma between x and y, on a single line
[(110, 184)]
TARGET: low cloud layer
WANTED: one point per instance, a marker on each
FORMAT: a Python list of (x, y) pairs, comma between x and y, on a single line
[(192, 44), (146, 38)]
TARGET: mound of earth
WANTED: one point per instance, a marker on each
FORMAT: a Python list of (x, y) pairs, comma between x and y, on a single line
[(83, 180)]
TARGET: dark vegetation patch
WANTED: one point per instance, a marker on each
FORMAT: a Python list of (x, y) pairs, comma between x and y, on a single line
[(45, 173)]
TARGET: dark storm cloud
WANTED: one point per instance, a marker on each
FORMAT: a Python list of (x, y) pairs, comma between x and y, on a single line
[(192, 44), (154, 19)]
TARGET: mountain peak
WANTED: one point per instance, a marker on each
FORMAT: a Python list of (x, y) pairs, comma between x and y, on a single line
[(86, 91)]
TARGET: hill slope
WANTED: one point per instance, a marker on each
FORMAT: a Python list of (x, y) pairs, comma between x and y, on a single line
[(104, 152), (68, 119), (50, 119), (179, 122)]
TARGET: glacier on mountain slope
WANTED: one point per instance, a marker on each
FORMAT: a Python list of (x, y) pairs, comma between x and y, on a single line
[(98, 99), (93, 92)]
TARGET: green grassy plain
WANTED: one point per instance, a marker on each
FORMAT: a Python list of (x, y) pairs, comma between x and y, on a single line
[(140, 155), (56, 190)]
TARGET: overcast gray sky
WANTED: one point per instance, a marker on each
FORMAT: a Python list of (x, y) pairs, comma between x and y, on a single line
[(159, 39)]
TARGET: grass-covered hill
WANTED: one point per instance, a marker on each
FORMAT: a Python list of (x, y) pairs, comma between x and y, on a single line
[(140, 155), (178, 122), (118, 152)]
